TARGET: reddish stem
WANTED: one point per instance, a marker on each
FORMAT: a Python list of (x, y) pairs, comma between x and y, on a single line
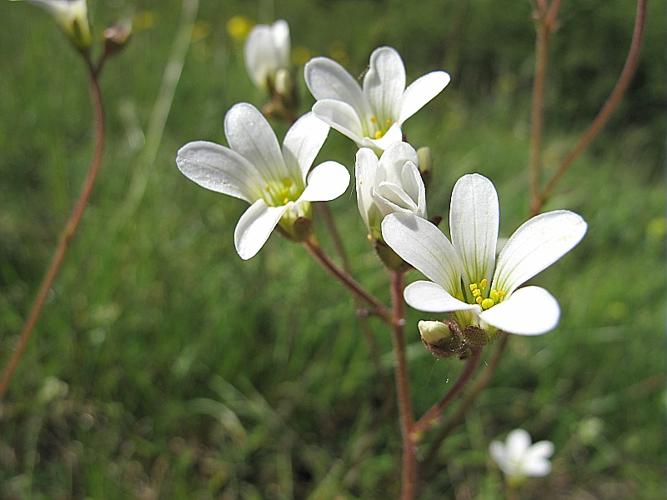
[(66, 235)]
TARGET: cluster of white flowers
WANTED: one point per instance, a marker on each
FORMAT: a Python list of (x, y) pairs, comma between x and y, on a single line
[(466, 279)]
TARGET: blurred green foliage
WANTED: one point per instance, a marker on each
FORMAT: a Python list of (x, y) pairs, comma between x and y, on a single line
[(164, 366)]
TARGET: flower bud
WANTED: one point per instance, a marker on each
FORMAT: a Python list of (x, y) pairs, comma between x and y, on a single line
[(433, 332), (389, 258), (72, 17), (116, 37), (442, 339)]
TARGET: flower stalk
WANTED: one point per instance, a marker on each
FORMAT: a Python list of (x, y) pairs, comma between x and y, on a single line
[(68, 232), (406, 415)]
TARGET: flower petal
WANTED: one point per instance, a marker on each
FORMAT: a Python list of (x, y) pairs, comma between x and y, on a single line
[(541, 449), (365, 169), (528, 311), (431, 297), (420, 92), (326, 182), (394, 157), (255, 226), (536, 468), (249, 134), (384, 83), (517, 444), (473, 222), (281, 42), (393, 198), (260, 56), (219, 169), (303, 141), (341, 117), (326, 79), (422, 245), (536, 245), (499, 455)]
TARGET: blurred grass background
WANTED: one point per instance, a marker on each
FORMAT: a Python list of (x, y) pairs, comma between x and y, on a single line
[(165, 367)]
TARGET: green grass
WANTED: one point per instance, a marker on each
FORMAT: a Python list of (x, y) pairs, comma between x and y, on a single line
[(164, 366)]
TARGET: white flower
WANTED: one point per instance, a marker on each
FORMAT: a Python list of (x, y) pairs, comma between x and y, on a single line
[(517, 458), (267, 52), (465, 277), (371, 117), (71, 16), (390, 184), (276, 183)]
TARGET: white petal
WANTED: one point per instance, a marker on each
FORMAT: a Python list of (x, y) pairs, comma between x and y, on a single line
[(365, 168), (281, 42), (536, 245), (473, 222), (255, 226), (528, 311), (391, 137), (395, 156), (391, 197), (413, 184), (420, 92), (422, 245), (384, 83), (326, 79), (541, 449), (517, 444), (499, 455), (431, 297), (341, 117), (326, 182), (219, 169), (249, 134), (303, 141), (260, 56), (536, 468)]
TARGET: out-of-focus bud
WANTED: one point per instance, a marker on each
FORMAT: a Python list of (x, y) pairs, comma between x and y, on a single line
[(425, 164), (283, 82), (72, 17), (117, 36)]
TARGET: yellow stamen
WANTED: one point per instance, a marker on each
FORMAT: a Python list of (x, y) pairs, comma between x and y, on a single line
[(374, 119), (487, 303), (476, 292), (479, 300), (483, 283), (379, 134), (473, 287)]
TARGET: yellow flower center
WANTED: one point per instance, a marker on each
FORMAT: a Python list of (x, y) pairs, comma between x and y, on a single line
[(479, 295), (379, 129), (280, 193)]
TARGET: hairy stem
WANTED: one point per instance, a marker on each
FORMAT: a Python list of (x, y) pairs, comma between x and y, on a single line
[(432, 416), (376, 307), (406, 415), (607, 109), (67, 233)]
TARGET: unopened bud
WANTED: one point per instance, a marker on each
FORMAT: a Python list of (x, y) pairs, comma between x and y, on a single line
[(116, 37), (389, 257), (283, 83), (433, 332)]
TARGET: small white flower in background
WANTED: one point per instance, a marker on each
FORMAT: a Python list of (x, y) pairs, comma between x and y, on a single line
[(254, 168), (518, 459), (71, 16), (267, 54), (465, 277), (390, 184), (372, 116)]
